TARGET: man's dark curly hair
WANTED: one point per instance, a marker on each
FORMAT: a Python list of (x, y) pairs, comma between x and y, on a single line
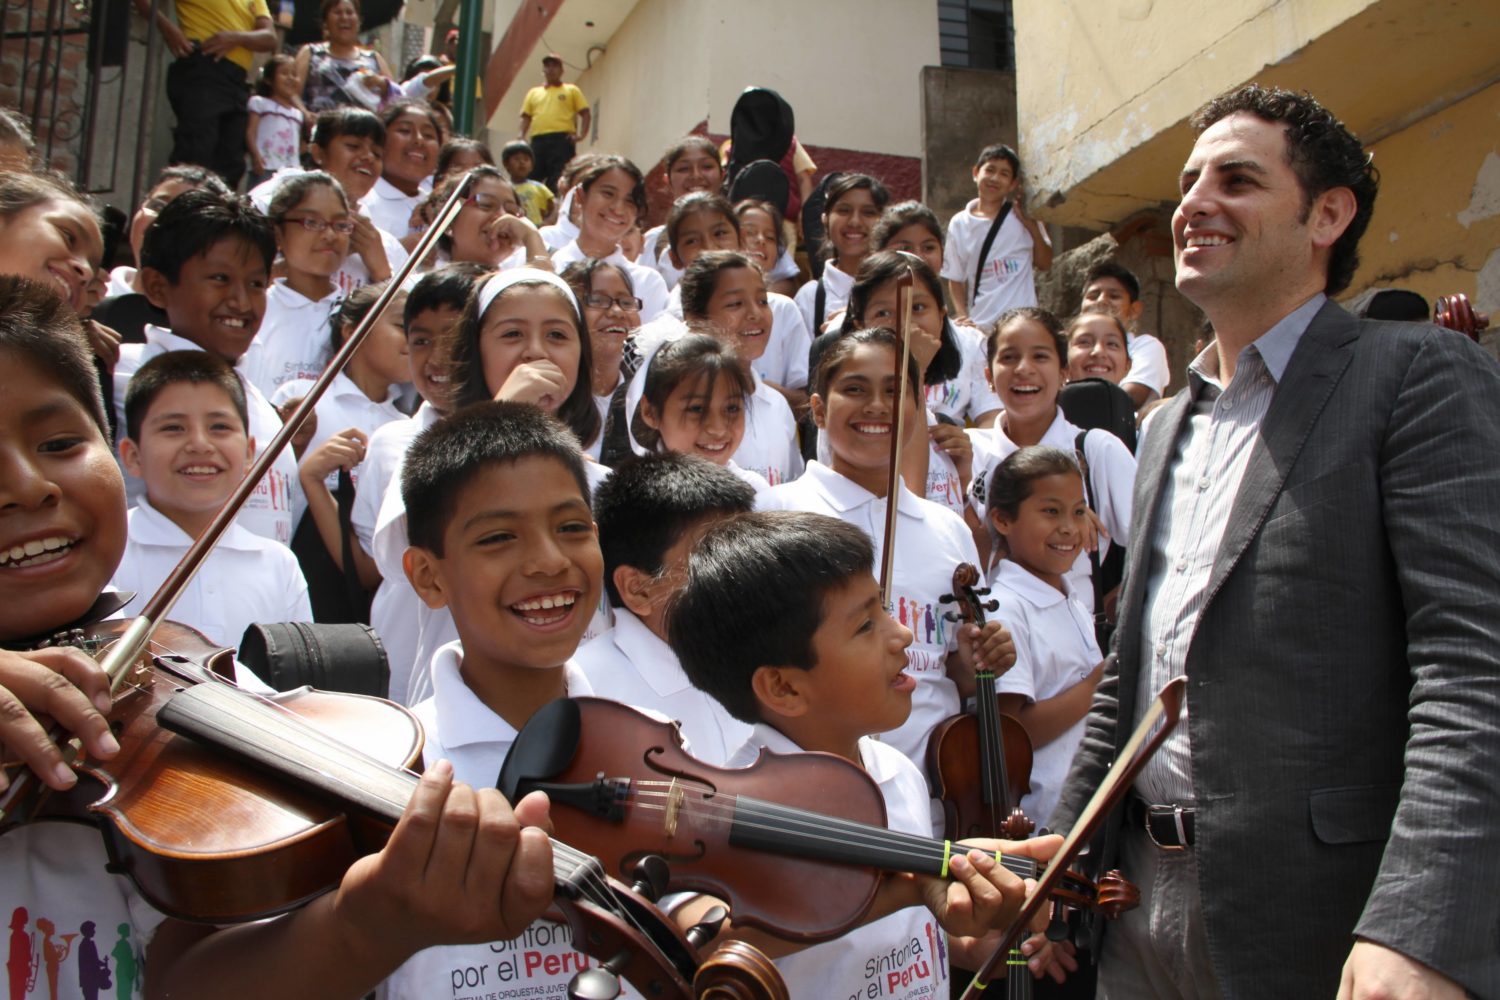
[(1321, 151)]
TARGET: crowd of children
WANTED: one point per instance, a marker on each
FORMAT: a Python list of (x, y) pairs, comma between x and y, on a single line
[(574, 456)]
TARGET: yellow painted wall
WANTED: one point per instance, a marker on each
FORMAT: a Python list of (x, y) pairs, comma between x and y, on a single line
[(849, 68), (1436, 228)]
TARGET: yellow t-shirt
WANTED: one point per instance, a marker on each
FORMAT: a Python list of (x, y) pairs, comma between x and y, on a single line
[(552, 109), (202, 19)]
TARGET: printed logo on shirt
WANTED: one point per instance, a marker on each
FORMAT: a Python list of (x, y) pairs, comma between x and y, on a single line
[(943, 396), (926, 624), (910, 971), (1005, 267), (943, 487), (46, 961), (274, 493)]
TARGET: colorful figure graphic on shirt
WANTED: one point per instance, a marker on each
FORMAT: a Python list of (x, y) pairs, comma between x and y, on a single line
[(942, 636), (93, 972), (927, 610), (53, 953), (21, 966), (126, 965), (902, 618)]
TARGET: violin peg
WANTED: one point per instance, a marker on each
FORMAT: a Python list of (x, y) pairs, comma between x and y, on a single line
[(651, 875), (993, 605), (947, 599), (594, 984), (707, 929), (1116, 894), (952, 616)]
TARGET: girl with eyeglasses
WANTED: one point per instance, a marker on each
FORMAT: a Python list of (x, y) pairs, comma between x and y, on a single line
[(611, 313), (491, 228), (313, 227)]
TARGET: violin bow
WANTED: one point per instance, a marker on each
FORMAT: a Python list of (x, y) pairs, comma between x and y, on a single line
[(1166, 710), (123, 653), (904, 284)]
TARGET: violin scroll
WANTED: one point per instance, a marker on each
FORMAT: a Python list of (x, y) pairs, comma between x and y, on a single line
[(1116, 894), (738, 971), (1457, 313)]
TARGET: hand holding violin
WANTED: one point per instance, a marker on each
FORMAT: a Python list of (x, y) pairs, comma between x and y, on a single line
[(63, 685), (984, 896), (988, 645)]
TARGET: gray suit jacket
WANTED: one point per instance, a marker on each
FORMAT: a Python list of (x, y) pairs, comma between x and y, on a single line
[(1344, 676)]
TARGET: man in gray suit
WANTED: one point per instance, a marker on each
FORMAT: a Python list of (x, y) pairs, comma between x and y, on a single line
[(1317, 547)]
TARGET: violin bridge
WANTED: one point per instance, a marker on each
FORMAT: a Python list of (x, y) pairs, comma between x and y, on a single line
[(675, 797)]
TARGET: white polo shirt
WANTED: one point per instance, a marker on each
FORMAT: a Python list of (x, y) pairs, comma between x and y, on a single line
[(342, 407), (393, 610), (293, 339), (631, 665), (390, 209), (246, 579), (1055, 650), (649, 286), (1148, 362), (562, 232), (967, 396), (268, 511), (838, 285), (769, 446), (411, 681), (757, 482), (930, 543), (1007, 281), (1111, 478), (475, 739), (901, 956)]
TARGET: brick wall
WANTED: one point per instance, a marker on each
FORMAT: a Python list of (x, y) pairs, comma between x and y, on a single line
[(23, 75)]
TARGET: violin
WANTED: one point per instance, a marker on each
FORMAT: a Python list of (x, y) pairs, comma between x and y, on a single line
[(1457, 313), (225, 806), (623, 788), (979, 763)]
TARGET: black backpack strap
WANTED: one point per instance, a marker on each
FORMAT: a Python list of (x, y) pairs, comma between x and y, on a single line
[(820, 306), (984, 251), (1095, 577)]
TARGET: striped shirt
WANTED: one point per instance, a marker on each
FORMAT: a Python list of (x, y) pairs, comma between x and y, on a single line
[(1211, 456)]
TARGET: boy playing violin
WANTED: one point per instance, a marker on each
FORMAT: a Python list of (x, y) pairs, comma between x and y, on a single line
[(780, 619), (458, 867)]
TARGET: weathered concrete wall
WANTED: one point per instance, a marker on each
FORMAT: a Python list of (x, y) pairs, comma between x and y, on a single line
[(963, 110)]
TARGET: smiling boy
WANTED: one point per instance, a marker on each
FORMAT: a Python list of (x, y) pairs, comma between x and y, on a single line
[(994, 227), (206, 262), (185, 438)]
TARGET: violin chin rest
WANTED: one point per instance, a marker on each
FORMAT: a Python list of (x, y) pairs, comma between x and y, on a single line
[(544, 748)]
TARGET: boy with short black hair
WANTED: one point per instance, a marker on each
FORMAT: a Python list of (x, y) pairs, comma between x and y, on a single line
[(993, 244), (780, 619), (650, 511), (535, 197), (206, 262), (185, 438), (497, 511), (433, 307), (62, 495), (1116, 287)]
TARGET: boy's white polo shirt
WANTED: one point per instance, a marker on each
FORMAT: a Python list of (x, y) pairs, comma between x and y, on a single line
[(1111, 478), (293, 340), (837, 284), (1148, 362), (1008, 281), (649, 286), (967, 396), (468, 733), (1055, 650), (390, 209), (930, 543), (246, 579), (268, 511), (901, 956), (629, 664)]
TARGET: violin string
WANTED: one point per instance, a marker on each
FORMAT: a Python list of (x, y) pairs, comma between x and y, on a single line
[(753, 814)]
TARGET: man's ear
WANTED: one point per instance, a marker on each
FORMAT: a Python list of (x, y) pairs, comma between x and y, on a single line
[(1330, 215), (819, 410), (130, 457), (634, 586), (779, 691), (155, 284), (424, 572)]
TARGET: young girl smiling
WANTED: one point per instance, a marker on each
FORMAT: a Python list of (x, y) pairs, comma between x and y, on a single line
[(611, 195)]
